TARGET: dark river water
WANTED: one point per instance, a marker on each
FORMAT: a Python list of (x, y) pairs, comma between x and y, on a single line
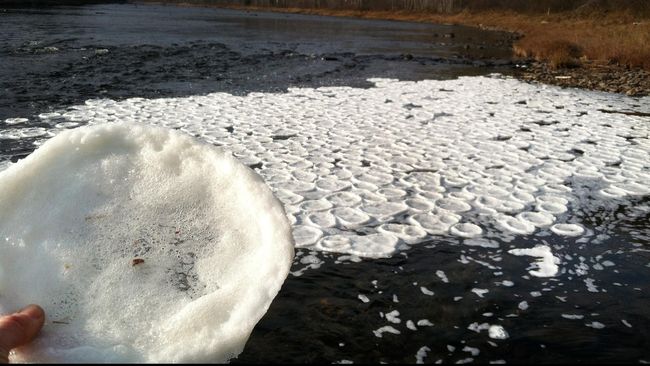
[(53, 58), (58, 56)]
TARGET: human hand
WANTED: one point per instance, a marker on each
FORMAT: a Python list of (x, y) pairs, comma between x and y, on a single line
[(19, 328)]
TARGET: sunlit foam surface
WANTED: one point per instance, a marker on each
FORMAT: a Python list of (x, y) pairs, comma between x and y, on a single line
[(526, 173), (369, 172)]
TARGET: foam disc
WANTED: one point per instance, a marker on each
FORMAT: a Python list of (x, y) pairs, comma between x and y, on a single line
[(141, 244)]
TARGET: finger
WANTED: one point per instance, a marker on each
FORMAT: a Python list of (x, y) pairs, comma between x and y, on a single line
[(19, 328)]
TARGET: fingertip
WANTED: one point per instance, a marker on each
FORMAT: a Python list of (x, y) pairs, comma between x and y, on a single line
[(34, 311), (20, 327)]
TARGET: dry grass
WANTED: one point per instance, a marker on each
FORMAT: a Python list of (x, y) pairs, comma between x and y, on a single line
[(566, 41), (561, 39)]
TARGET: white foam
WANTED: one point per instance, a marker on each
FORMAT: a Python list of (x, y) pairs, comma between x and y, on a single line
[(568, 229), (349, 217), (442, 276), (16, 121), (321, 219), (363, 298), (596, 325), (77, 212), (393, 317), (410, 234), (552, 208), (355, 163), (547, 265), (497, 332), (539, 219), (379, 333), (422, 354), (305, 235), (434, 224), (466, 230), (516, 225), (453, 205), (480, 291), (424, 323), (410, 325)]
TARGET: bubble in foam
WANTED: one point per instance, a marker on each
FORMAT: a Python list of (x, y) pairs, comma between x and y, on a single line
[(305, 235), (409, 233), (67, 125), (384, 210), (343, 199), (213, 247), (315, 205), (350, 217), (539, 219), (453, 205), (322, 219), (335, 243), (392, 193), (374, 245), (632, 188), (16, 121), (419, 204), (332, 184), (434, 224), (32, 132), (515, 225), (568, 229), (612, 192), (466, 230), (552, 208)]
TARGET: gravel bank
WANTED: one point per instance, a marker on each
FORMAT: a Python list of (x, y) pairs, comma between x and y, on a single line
[(608, 78)]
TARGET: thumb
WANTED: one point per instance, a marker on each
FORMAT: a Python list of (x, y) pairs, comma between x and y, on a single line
[(19, 328)]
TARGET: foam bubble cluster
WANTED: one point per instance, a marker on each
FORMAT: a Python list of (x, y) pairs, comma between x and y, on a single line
[(142, 244), (370, 172)]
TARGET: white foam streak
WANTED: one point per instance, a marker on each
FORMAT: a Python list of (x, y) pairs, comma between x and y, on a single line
[(547, 264)]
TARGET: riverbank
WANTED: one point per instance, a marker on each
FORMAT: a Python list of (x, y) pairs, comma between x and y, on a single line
[(604, 51), (594, 76)]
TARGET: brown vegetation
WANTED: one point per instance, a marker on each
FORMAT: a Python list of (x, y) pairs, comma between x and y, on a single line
[(570, 40), (564, 33)]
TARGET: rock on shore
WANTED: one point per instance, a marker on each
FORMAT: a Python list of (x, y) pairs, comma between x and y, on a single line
[(609, 78)]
